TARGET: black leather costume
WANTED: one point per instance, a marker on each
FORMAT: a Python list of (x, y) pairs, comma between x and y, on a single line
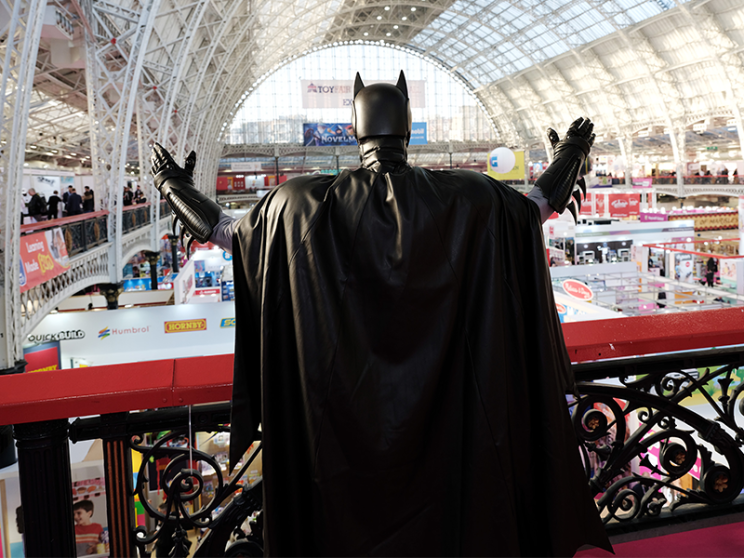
[(397, 339)]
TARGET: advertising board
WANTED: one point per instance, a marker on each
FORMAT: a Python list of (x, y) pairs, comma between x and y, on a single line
[(339, 93), (43, 256), (140, 334)]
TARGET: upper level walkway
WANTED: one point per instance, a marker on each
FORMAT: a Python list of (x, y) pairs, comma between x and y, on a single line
[(90, 248)]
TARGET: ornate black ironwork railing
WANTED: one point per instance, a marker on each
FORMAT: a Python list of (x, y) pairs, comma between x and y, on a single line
[(135, 217), (658, 435), (664, 433), (235, 531)]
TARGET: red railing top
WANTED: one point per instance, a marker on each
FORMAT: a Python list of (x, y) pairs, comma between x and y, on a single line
[(189, 381), (53, 223), (135, 206)]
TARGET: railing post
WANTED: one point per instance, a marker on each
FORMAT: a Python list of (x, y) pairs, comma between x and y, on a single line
[(117, 462), (174, 251), (46, 488)]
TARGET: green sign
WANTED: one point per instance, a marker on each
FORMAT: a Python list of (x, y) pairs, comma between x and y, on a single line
[(711, 148)]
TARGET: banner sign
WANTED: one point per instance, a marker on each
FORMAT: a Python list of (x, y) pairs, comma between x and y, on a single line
[(321, 134), (180, 326), (418, 134), (43, 256), (339, 93), (624, 204), (246, 166), (577, 289)]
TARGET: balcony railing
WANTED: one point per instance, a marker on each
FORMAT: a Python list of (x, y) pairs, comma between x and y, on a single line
[(658, 433), (135, 216), (82, 232)]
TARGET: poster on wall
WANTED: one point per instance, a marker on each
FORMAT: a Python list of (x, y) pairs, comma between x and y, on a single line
[(683, 267), (43, 256), (89, 512), (339, 93)]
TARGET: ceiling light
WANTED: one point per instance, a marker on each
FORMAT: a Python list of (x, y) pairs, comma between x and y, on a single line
[(365, 33), (413, 9), (388, 34), (395, 26), (404, 18), (387, 8), (379, 18)]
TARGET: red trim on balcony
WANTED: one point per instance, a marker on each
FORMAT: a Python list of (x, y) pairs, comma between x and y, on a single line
[(188, 381), (53, 223), (663, 333)]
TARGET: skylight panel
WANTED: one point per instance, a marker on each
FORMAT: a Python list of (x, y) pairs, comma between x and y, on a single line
[(644, 11)]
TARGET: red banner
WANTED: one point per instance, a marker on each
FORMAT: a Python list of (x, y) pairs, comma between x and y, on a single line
[(43, 256), (599, 203), (635, 204), (619, 205)]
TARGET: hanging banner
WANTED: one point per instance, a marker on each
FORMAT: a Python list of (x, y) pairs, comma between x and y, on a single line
[(634, 204), (338, 93), (495, 161), (418, 134), (619, 205), (43, 256), (246, 166), (600, 204), (321, 134)]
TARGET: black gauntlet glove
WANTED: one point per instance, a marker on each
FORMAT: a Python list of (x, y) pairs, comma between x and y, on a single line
[(558, 181), (197, 213)]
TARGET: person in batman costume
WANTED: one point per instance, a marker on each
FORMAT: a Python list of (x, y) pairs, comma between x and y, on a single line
[(397, 340)]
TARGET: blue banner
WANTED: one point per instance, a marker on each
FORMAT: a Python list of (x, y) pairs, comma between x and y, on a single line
[(321, 134), (418, 134), (328, 134)]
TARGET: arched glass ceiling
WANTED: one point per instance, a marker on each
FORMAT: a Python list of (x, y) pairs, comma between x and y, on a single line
[(273, 113)]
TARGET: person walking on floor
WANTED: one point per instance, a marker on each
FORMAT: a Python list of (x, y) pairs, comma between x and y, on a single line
[(89, 200), (74, 203), (53, 205)]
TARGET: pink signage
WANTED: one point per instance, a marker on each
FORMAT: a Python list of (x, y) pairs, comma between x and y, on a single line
[(642, 182), (577, 289), (653, 217)]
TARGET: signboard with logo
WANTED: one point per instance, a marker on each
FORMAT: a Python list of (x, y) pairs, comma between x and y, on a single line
[(577, 289), (140, 334), (43, 357), (647, 217), (43, 256), (339, 93), (418, 134), (619, 205)]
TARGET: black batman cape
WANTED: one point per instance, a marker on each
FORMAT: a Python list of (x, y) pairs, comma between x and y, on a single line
[(396, 336)]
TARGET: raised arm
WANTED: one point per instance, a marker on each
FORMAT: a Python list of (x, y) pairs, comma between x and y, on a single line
[(554, 190), (200, 216)]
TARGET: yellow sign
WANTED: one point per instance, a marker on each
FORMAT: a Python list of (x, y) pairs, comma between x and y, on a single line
[(186, 325), (517, 173)]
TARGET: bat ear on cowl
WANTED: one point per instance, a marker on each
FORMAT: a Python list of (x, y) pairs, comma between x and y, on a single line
[(358, 84)]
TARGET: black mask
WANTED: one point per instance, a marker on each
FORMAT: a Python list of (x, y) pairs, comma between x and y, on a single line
[(381, 109)]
